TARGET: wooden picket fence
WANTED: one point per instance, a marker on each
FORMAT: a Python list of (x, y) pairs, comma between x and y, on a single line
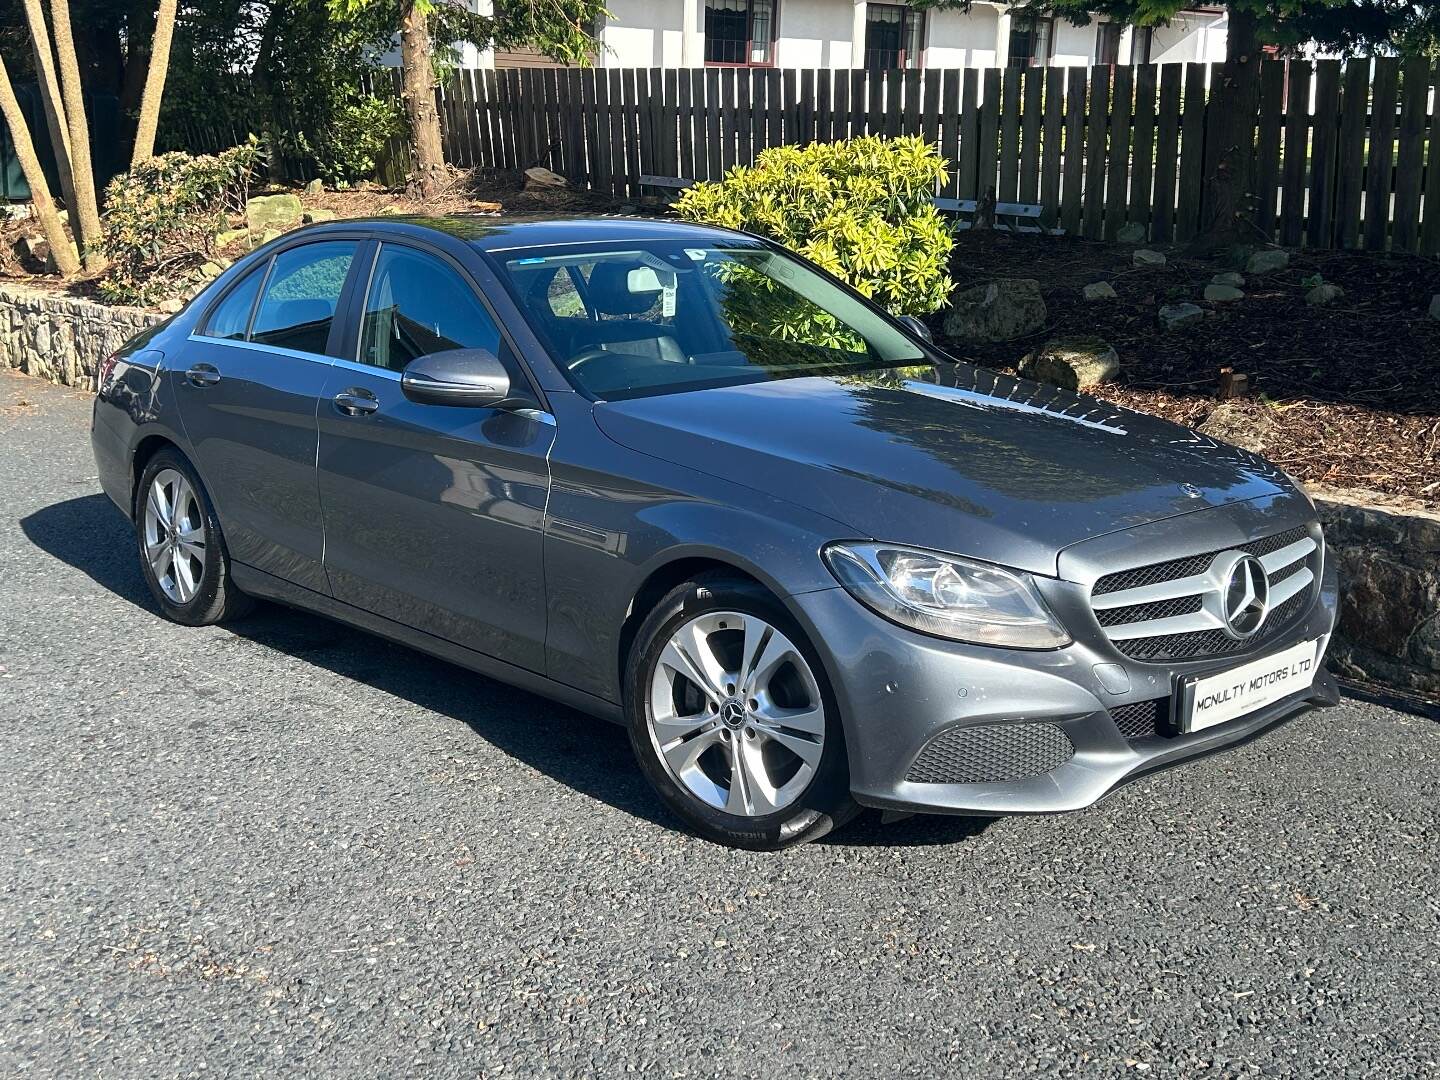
[(1348, 152)]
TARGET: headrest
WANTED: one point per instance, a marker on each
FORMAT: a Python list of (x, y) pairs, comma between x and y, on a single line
[(302, 312), (623, 288)]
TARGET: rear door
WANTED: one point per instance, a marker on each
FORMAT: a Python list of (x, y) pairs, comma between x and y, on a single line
[(248, 387), (433, 513)]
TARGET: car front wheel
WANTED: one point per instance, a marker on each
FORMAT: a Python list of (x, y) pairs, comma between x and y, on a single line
[(732, 719)]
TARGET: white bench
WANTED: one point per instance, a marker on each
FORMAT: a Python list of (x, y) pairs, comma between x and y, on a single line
[(1024, 217)]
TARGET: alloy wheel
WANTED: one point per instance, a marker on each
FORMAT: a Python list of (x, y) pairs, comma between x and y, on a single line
[(175, 535), (736, 714)]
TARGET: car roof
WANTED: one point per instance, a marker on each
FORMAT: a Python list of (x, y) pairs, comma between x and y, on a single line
[(501, 233)]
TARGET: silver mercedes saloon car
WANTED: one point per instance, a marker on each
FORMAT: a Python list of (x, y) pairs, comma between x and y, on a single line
[(681, 479)]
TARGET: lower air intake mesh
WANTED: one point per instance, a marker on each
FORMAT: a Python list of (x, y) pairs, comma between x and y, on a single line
[(991, 753), (1141, 719)]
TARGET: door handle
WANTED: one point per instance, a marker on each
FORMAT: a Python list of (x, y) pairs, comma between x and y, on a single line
[(356, 402), (203, 375)]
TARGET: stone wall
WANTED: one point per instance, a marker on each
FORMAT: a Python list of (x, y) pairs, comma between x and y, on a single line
[(1388, 552), (60, 338)]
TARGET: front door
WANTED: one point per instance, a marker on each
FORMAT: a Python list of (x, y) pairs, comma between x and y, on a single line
[(247, 392), (433, 513)]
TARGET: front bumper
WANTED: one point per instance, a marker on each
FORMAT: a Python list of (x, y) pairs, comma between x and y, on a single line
[(898, 690)]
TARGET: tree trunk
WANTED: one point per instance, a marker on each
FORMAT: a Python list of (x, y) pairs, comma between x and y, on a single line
[(60, 248), (154, 84), (85, 214), (418, 90), (1228, 211), (50, 95)]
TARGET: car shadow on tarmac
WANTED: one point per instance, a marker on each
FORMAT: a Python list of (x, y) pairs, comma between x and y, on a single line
[(587, 755)]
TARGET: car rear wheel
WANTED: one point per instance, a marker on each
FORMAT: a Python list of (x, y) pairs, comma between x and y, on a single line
[(733, 721), (182, 552)]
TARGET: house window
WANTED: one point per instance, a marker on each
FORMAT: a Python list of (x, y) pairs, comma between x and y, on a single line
[(740, 32), (1107, 43), (894, 36), (1030, 37), (1142, 44)]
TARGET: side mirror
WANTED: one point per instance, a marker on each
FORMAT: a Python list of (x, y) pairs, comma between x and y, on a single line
[(916, 327), (469, 377)]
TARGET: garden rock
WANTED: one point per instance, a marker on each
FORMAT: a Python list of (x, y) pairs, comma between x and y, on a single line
[(312, 216), (1323, 294), (1229, 277), (1072, 363), (537, 176), (1267, 262), (211, 270), (1001, 310), (1249, 428), (1435, 307), (265, 212), (1177, 315), (1132, 233), (1223, 294), (230, 236), (315, 187), (33, 249), (1100, 290), (171, 306), (1147, 257)]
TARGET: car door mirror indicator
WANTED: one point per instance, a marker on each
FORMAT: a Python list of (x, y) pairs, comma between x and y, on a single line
[(468, 377)]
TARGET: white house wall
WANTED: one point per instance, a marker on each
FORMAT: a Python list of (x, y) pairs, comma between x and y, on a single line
[(829, 34), (955, 39), (643, 34), (816, 34)]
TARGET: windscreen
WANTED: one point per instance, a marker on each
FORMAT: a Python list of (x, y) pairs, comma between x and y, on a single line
[(666, 317)]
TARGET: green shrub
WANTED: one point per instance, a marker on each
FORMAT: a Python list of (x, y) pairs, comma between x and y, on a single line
[(862, 209), (348, 131), (162, 217)]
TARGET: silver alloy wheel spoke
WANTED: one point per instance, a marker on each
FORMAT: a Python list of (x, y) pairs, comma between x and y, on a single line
[(174, 536), (736, 714)]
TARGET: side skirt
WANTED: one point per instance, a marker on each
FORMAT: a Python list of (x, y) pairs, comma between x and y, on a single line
[(267, 586)]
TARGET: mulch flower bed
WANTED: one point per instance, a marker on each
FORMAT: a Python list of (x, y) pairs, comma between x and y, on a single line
[(1352, 388)]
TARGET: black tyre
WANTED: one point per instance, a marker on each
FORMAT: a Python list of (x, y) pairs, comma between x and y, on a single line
[(182, 551), (733, 720)]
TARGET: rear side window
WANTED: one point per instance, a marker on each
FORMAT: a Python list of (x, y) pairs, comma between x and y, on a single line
[(232, 317), (301, 296), (418, 305)]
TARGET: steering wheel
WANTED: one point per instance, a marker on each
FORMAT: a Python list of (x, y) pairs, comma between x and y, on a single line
[(586, 356)]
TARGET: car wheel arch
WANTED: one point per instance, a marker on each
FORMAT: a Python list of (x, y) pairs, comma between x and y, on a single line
[(660, 581), (140, 457)]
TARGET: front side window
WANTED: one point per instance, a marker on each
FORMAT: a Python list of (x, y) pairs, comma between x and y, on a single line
[(1030, 40), (894, 36), (665, 317), (740, 32), (417, 305), (301, 295)]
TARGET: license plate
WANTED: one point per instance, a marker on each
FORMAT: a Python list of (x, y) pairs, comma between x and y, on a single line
[(1214, 699)]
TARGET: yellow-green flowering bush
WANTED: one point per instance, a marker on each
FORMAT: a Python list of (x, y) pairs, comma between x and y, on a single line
[(161, 218), (860, 208)]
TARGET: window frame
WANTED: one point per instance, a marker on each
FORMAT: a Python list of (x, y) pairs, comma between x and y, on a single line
[(774, 40), (360, 296), (333, 341), (1032, 60), (1108, 31), (912, 23)]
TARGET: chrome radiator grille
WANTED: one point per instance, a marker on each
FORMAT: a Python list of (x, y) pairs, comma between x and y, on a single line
[(1175, 610)]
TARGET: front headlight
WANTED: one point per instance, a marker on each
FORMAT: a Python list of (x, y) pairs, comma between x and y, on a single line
[(946, 595)]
